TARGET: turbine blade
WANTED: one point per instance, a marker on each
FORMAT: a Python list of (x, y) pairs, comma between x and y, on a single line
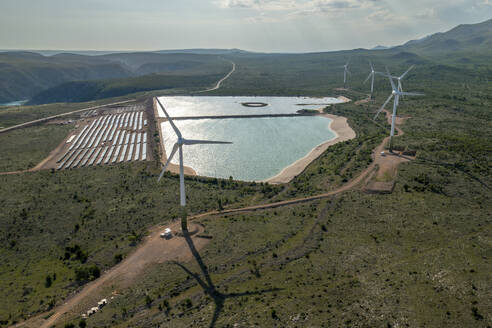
[(197, 142), (169, 119), (382, 107), (408, 70), (390, 78), (372, 67), (169, 158), (411, 94), (370, 74)]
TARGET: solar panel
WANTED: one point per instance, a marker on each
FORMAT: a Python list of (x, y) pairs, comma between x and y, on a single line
[(79, 159), (135, 121), (73, 158), (122, 137), (115, 140), (86, 133), (84, 162), (122, 156), (93, 159), (108, 156), (115, 155), (78, 137), (144, 151), (101, 158), (129, 155), (137, 152)]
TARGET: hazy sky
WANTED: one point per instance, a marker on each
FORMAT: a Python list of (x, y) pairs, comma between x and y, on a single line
[(258, 25)]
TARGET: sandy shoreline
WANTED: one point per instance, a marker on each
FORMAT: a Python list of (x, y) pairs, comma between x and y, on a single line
[(344, 99), (343, 132)]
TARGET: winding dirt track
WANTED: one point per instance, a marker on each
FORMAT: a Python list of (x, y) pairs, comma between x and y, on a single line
[(156, 250), (217, 86)]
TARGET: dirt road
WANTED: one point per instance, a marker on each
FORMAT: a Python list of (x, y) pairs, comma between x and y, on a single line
[(217, 86)]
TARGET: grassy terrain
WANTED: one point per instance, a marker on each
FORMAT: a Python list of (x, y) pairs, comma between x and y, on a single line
[(104, 210), (24, 149)]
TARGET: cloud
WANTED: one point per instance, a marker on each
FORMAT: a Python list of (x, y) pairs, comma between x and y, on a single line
[(297, 7), (270, 5), (429, 13)]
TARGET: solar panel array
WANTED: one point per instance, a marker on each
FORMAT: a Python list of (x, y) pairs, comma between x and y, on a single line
[(108, 139)]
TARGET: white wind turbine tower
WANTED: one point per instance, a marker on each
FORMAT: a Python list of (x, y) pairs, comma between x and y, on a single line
[(371, 76), (397, 94), (345, 72), (179, 146)]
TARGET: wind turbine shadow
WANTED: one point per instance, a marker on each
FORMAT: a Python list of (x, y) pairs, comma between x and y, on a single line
[(208, 285)]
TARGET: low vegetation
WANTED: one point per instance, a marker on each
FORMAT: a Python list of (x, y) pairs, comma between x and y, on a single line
[(24, 149)]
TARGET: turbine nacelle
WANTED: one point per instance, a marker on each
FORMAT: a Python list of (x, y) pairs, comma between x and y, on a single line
[(396, 93)]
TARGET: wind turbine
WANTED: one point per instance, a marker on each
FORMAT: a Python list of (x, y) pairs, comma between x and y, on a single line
[(399, 78), (371, 76), (345, 72), (179, 146), (397, 94)]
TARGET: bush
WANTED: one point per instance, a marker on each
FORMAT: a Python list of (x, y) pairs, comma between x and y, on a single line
[(48, 281), (148, 301), (118, 258), (87, 273)]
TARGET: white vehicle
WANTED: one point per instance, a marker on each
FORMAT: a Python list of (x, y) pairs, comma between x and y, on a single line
[(383, 154), (102, 303), (167, 234), (92, 311)]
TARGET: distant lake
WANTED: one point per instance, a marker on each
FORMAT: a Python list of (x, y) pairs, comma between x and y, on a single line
[(15, 103), (217, 106)]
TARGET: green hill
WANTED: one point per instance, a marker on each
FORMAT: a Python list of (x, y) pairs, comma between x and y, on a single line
[(80, 91), (462, 38), (22, 75)]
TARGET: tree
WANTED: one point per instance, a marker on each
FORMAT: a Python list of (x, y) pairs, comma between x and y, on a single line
[(48, 281)]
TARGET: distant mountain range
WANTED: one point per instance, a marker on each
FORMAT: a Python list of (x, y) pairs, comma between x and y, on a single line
[(462, 38), (26, 74), (379, 47)]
